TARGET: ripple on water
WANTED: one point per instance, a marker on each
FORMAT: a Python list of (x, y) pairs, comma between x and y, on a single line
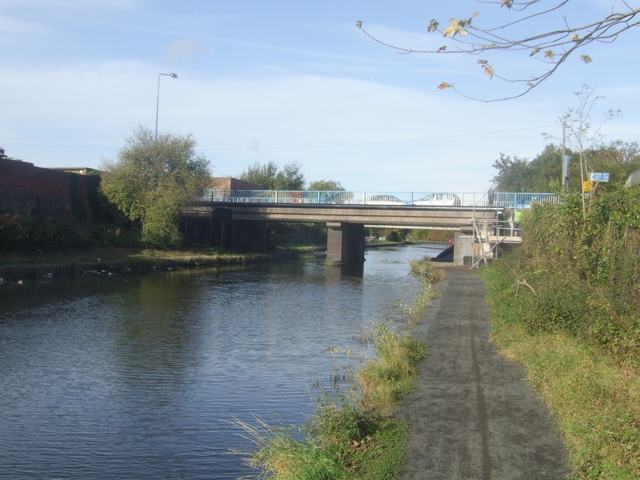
[(142, 376)]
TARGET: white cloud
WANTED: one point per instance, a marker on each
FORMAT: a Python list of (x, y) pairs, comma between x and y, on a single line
[(364, 134), (183, 49)]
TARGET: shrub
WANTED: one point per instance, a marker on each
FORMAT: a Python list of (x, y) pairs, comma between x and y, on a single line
[(579, 272), (13, 233)]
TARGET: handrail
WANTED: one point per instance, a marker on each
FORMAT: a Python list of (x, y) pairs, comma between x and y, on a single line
[(509, 200)]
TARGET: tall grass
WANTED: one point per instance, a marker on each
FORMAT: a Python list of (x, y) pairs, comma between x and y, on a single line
[(594, 398), (355, 436), (566, 307)]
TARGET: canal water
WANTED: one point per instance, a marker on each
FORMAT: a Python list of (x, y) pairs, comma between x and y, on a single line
[(146, 376)]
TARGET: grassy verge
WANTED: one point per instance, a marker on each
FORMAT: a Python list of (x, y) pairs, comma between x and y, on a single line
[(355, 437), (594, 396)]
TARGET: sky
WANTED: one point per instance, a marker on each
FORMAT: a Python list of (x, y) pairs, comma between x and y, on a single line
[(289, 81)]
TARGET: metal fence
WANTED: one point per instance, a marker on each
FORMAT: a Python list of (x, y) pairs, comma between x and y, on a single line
[(467, 199)]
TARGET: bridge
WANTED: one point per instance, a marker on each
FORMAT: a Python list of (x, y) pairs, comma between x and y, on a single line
[(240, 219)]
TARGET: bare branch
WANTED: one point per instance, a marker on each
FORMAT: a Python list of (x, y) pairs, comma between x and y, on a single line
[(549, 47), (518, 281)]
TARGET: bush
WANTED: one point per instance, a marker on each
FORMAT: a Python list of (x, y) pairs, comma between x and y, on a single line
[(59, 233), (578, 271), (13, 233)]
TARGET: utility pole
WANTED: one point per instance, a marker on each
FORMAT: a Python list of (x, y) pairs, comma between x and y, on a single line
[(565, 158)]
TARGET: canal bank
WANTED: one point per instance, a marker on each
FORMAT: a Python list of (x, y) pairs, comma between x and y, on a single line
[(114, 261), (71, 265), (472, 414)]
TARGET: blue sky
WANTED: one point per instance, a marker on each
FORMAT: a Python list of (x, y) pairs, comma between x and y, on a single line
[(288, 81)]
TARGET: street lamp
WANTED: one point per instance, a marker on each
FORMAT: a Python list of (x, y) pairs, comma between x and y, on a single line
[(172, 75)]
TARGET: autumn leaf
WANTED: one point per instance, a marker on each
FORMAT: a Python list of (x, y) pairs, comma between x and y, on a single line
[(359, 24), (451, 30), (455, 27), (507, 3), (586, 58), (444, 85), (534, 51), (433, 26), (549, 54), (575, 37), (489, 71), (442, 48)]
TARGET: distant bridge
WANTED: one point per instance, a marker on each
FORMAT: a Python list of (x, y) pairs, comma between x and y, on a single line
[(239, 219)]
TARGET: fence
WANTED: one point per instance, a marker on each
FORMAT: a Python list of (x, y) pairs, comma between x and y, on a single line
[(467, 199)]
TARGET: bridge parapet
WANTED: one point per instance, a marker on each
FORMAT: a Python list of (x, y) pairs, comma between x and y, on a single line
[(511, 200)]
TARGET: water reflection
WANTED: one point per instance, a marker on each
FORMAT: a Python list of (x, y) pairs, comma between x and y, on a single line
[(139, 376)]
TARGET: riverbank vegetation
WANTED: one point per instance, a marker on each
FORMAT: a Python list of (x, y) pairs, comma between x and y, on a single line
[(355, 436), (152, 179), (566, 307), (411, 235)]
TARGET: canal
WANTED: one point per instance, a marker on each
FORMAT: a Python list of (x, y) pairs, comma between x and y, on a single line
[(144, 376)]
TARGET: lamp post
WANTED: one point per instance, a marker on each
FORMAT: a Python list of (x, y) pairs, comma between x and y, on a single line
[(172, 75)]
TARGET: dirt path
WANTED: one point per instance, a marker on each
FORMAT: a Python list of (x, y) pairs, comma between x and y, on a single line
[(473, 416)]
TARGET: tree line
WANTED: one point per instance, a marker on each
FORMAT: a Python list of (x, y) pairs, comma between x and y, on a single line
[(289, 177), (543, 173)]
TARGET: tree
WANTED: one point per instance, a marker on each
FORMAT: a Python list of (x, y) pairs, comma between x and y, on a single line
[(544, 172), (150, 180), (619, 159), (326, 186), (512, 174), (576, 127), (272, 178), (525, 32)]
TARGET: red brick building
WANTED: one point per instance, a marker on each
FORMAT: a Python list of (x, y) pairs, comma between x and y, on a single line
[(229, 183), (35, 193)]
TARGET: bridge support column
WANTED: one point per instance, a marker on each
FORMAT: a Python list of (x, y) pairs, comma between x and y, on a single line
[(222, 228), (345, 244), (250, 236)]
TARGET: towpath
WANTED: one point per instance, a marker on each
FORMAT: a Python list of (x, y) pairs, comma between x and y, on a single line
[(472, 415)]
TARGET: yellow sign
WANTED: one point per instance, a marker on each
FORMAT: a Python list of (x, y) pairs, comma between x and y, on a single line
[(587, 186)]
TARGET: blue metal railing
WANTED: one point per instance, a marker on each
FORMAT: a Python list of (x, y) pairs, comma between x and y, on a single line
[(466, 199)]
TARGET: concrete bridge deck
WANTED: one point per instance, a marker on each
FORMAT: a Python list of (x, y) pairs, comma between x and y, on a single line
[(446, 217)]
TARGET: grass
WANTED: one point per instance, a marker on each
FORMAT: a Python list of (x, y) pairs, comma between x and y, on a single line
[(17, 267), (354, 437), (390, 374), (63, 256), (594, 397)]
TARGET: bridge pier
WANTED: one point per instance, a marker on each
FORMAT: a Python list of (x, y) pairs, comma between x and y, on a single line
[(239, 235), (251, 236), (222, 228), (345, 244)]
